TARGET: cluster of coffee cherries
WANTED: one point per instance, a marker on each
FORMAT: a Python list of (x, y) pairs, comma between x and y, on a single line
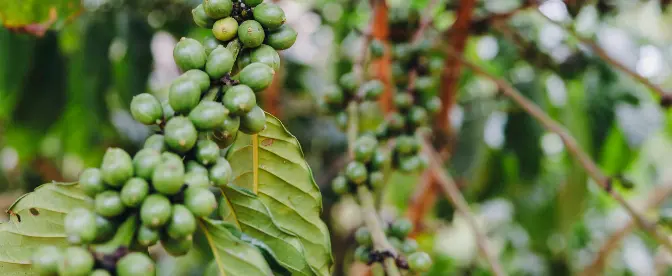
[(397, 234), (366, 169)]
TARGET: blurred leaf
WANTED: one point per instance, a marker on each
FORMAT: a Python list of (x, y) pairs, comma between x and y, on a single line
[(36, 220), (615, 154), (271, 165), (131, 56), (37, 16), (232, 255), (16, 52)]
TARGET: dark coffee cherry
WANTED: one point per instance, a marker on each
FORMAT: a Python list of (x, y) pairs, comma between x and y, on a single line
[(200, 77), (257, 76), (254, 121), (109, 204), (239, 99), (105, 229), (372, 89), (251, 33), (363, 236), (155, 211), (400, 228), (419, 262), (183, 95), (80, 226), (76, 261), (252, 3), (180, 134), (267, 55), (403, 101), (377, 48), (147, 236), (349, 81), (182, 222), (225, 29), (364, 148), (145, 161), (376, 179), (356, 172), (409, 246), (135, 264), (197, 179), (201, 18), (210, 43), (189, 54), (221, 172), (177, 247), (206, 152), (282, 38), (380, 159), (200, 201), (134, 192), (340, 185), (168, 177), (91, 182), (269, 15), (217, 9), (146, 109), (219, 63), (117, 167), (418, 116), (208, 115), (46, 259), (363, 254)]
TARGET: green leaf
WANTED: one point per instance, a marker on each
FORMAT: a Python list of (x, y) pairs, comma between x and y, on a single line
[(36, 16), (253, 218), (232, 255), (271, 165), (36, 220)]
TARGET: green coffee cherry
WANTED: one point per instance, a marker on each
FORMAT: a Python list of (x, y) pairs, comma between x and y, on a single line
[(91, 182), (201, 18), (183, 95), (197, 179), (178, 247), (168, 178), (220, 62), (135, 264), (396, 122), (340, 185), (109, 204), (363, 236), (267, 55), (405, 145), (134, 192), (341, 120), (252, 3), (212, 269), (372, 89), (239, 99), (333, 95), (199, 77), (217, 9), (210, 43), (169, 157), (228, 128), (146, 109), (180, 134), (225, 29), (182, 222), (100, 272), (269, 15), (382, 131), (364, 148), (168, 111), (257, 76), (76, 261), (189, 54), (206, 152), (155, 211), (399, 74), (80, 226), (147, 236), (46, 259), (117, 167), (401, 228), (379, 160), (349, 81), (146, 160), (254, 121), (377, 48), (195, 167), (251, 34), (221, 172), (363, 254), (356, 172), (410, 164), (402, 52), (244, 58), (377, 179), (403, 101), (282, 38), (105, 229), (208, 115), (426, 85), (418, 116), (433, 105), (200, 201), (419, 262), (409, 246)]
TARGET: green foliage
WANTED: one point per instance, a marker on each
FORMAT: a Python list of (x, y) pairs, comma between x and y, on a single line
[(17, 14)]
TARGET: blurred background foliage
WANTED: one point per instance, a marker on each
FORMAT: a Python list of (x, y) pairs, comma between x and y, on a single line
[(69, 70)]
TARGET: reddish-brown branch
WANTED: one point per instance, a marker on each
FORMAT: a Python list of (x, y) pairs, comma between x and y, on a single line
[(382, 68), (271, 97)]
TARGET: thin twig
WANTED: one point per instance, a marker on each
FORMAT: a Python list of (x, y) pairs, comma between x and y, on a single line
[(656, 197), (603, 54), (452, 192), (572, 147)]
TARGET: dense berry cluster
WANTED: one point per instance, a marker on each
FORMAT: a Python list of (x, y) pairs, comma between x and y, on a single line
[(166, 186), (366, 169), (397, 234)]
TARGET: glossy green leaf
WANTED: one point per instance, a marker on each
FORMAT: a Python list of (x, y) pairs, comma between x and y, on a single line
[(36, 219), (36, 16), (232, 255), (271, 165)]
